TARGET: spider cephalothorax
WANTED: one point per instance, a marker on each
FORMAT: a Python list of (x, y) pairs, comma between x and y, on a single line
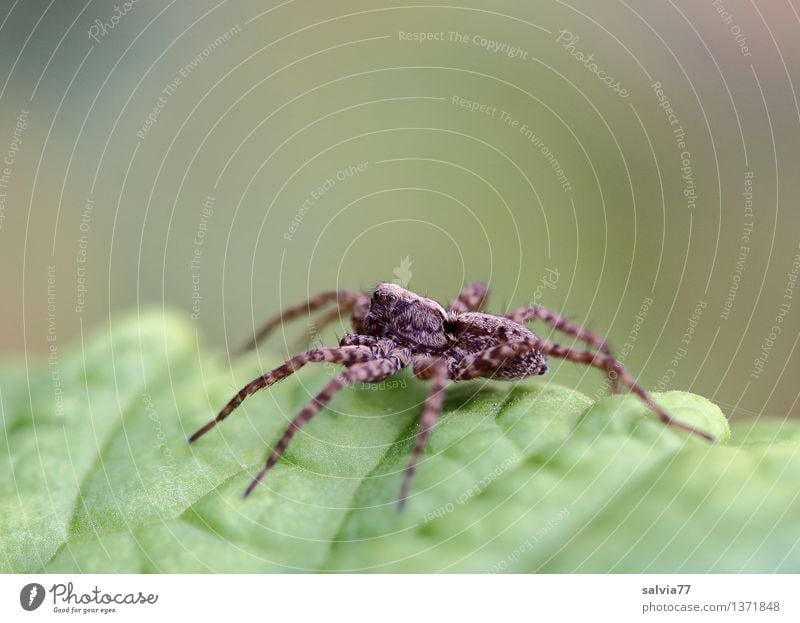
[(406, 319), (395, 328)]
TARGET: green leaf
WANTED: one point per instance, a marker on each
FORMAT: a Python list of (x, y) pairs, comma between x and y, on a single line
[(98, 475)]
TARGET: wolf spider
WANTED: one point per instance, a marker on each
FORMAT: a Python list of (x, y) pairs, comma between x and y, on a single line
[(395, 328)]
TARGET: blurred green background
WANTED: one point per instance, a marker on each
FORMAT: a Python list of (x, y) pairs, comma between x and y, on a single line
[(226, 159)]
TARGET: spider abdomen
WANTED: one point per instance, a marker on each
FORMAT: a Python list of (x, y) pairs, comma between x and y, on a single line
[(476, 331)]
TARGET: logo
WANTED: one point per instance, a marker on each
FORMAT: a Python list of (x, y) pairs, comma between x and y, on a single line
[(403, 272), (31, 596)]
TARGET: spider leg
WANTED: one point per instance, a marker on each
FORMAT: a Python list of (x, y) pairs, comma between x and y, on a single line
[(360, 309), (471, 298), (488, 360), (357, 339), (346, 355), (347, 300), (369, 371), (426, 368), (564, 324)]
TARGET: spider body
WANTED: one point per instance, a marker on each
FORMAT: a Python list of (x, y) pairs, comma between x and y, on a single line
[(395, 328), (425, 329)]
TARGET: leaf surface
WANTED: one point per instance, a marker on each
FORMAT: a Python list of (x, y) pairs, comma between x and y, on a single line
[(98, 475)]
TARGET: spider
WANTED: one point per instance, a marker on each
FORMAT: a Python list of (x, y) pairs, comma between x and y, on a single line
[(395, 328)]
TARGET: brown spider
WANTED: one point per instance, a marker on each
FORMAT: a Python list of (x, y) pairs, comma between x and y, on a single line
[(396, 328)]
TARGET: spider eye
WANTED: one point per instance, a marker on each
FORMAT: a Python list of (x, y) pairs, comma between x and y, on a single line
[(384, 297)]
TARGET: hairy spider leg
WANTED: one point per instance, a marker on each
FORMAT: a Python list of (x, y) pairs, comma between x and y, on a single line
[(346, 355), (437, 371), (488, 360), (346, 298), (370, 371), (471, 298), (357, 339), (561, 323)]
